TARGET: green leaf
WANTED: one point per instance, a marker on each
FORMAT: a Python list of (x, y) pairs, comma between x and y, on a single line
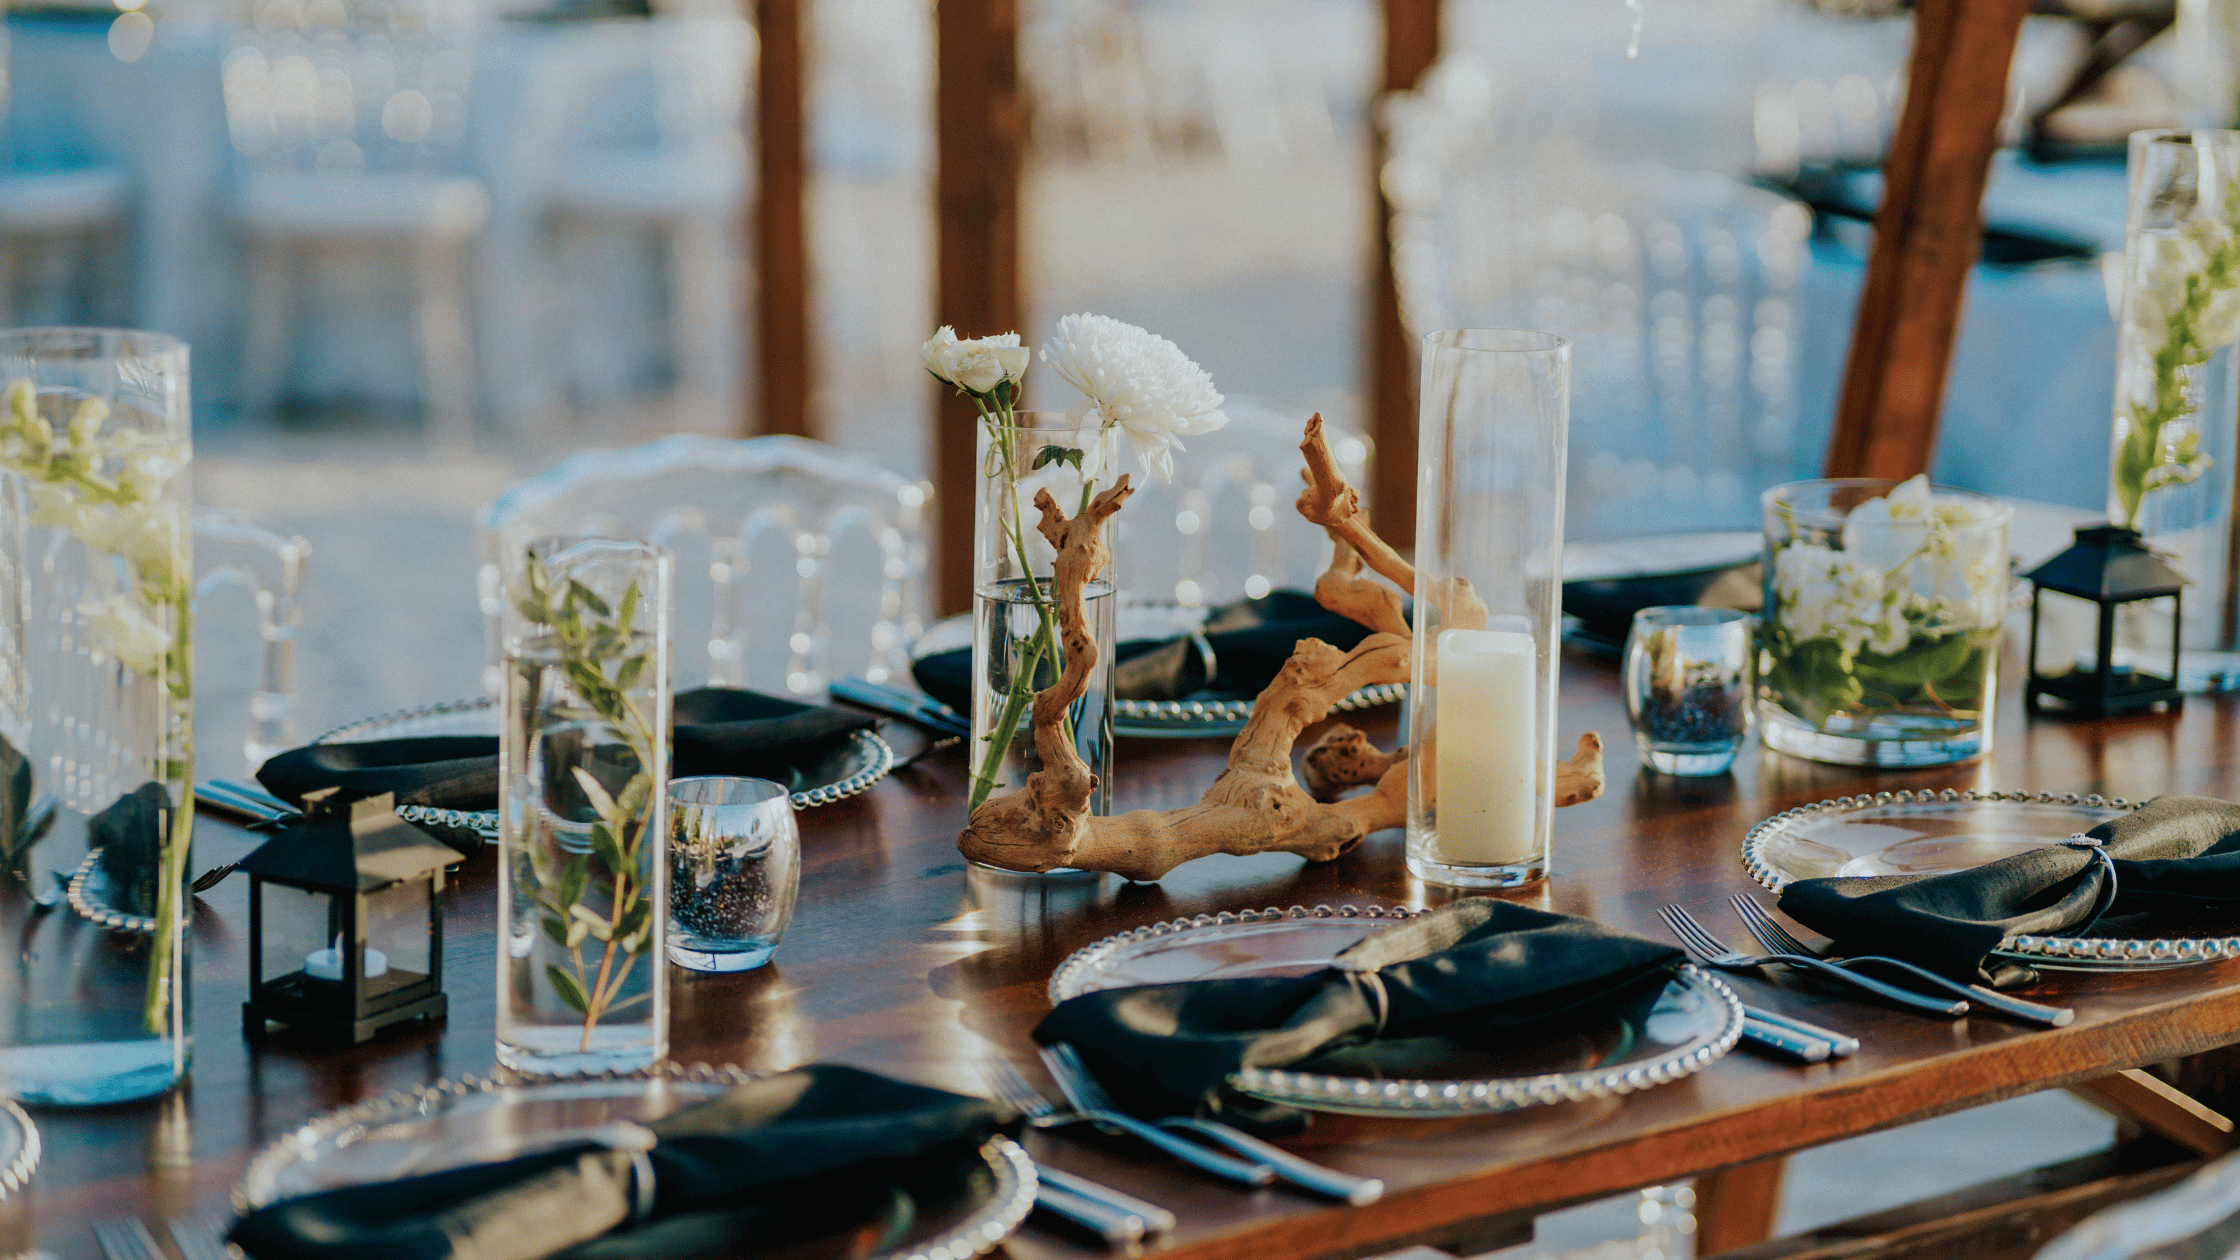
[(635, 919), (627, 676), (1812, 683), (589, 598), (1056, 454), (558, 931), (569, 990), (632, 802), (610, 852), (572, 880), (627, 612)]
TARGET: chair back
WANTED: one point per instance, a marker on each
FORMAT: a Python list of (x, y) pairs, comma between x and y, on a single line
[(1225, 528), (236, 552), (814, 560), (1676, 289)]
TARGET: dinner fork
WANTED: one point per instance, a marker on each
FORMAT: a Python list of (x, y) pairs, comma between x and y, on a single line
[(203, 1238), (1775, 937), (1712, 952), (1042, 1114), (1080, 1086)]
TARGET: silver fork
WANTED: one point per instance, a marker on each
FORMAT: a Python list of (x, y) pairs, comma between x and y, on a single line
[(1712, 952), (1042, 1114), (1775, 937), (1080, 1086), (126, 1238), (1121, 1220)]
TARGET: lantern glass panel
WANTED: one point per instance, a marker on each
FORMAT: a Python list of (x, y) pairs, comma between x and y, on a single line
[(397, 927), (298, 926), (2145, 629), (2068, 635)]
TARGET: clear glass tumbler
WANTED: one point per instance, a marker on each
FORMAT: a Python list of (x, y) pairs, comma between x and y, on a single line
[(734, 869), (1489, 586), (583, 772), (1689, 677)]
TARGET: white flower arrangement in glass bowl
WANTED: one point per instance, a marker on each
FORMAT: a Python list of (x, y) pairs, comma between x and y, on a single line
[(1133, 383), (1882, 619)]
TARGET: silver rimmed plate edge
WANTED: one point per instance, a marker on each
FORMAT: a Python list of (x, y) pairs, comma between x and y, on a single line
[(2056, 951), (878, 762), (994, 1220), (17, 1174), (1361, 1096), (1205, 717)]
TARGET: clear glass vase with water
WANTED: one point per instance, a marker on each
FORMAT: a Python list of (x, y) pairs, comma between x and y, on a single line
[(96, 702), (2177, 393), (583, 775), (1015, 639)]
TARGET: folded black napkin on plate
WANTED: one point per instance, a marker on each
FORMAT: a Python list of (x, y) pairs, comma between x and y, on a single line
[(715, 730), (2176, 864), (1248, 641), (786, 1147), (1477, 966)]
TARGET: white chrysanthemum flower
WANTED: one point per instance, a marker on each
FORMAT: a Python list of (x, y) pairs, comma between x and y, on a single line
[(976, 366), (1137, 381)]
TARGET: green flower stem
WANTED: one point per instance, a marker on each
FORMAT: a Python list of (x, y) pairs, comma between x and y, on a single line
[(171, 880)]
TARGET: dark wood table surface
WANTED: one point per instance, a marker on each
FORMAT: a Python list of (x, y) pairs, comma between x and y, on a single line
[(902, 960)]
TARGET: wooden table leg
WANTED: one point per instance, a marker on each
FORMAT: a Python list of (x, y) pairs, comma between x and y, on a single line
[(1735, 1206), (2161, 1109)]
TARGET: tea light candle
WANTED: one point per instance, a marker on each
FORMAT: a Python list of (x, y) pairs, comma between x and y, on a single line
[(326, 964), (1487, 764)]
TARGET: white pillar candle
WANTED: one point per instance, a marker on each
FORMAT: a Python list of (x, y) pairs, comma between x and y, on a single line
[(326, 964), (1487, 760)]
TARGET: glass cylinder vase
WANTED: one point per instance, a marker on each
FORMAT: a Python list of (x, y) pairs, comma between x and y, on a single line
[(1883, 610), (2177, 393), (1015, 639), (1489, 590), (96, 701), (582, 784)]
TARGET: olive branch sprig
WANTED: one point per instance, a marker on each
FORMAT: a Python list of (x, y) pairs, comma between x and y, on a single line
[(597, 659)]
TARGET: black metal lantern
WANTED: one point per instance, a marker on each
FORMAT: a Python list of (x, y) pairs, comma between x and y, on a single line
[(346, 923), (2108, 577)]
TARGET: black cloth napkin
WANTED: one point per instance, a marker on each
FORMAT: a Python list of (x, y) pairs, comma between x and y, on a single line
[(2176, 864), (1248, 641), (1476, 967), (715, 730), (787, 1146)]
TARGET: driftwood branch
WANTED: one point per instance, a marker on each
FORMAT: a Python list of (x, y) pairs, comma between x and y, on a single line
[(1257, 805)]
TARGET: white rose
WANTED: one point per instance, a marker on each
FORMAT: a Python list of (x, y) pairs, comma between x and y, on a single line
[(976, 366), (1883, 533), (116, 625)]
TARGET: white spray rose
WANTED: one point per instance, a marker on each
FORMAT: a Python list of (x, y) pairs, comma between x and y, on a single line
[(116, 625), (976, 366), (1137, 381)]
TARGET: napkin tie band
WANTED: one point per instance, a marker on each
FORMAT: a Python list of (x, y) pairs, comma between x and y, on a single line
[(2107, 894), (1367, 981), (641, 1187)]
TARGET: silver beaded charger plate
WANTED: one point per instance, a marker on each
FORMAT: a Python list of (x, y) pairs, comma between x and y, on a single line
[(1663, 1037), (848, 770), (1928, 833), (954, 1211), (19, 1148)]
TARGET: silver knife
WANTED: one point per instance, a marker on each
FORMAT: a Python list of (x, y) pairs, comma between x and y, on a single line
[(1791, 1044)]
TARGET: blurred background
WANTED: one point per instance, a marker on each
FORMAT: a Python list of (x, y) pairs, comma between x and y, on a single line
[(423, 248)]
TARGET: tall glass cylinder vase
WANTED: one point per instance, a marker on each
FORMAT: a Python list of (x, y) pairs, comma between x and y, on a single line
[(1015, 644), (96, 697), (2177, 393), (1489, 590), (582, 783)]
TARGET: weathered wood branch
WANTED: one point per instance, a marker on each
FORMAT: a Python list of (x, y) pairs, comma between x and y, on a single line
[(1257, 805)]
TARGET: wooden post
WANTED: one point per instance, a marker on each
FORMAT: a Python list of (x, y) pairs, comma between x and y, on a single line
[(1411, 44), (781, 235), (981, 135), (1926, 238)]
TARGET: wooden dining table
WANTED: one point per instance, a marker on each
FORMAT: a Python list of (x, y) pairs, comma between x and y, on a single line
[(902, 959)]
